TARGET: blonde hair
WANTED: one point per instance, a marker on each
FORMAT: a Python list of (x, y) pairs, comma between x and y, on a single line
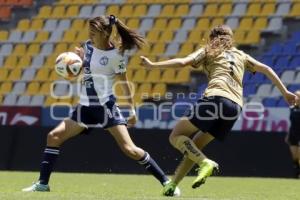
[(220, 39)]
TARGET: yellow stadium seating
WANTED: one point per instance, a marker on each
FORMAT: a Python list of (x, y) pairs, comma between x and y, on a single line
[(268, 9), (82, 36), (134, 62), (53, 76), (23, 25), (139, 76), (246, 23), (3, 35), (3, 74), (113, 10), (6, 87), (69, 36), (42, 36), (252, 38), (58, 12), (225, 9), (181, 10), (15, 74), (145, 88), (239, 36), (195, 36), (153, 76), (145, 50), (33, 49), (158, 49), (42, 74), (37, 24), (24, 61), (19, 50), (167, 10), (168, 76), (72, 11), (78, 24), (44, 12), (126, 10), (217, 21), (203, 24), (153, 35), (186, 49), (254, 9), (210, 10), (159, 89), (50, 101), (60, 48), (166, 36), (133, 23), (33, 88), (160, 23), (260, 23), (45, 88), (140, 10), (1, 99), (174, 24), (11, 61), (183, 75), (294, 11)]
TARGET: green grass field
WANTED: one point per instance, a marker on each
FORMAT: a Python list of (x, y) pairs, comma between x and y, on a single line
[(69, 186)]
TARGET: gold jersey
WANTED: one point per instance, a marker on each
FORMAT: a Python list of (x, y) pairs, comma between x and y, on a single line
[(224, 72)]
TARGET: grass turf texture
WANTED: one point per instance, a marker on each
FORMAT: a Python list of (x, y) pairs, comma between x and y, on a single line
[(74, 186)]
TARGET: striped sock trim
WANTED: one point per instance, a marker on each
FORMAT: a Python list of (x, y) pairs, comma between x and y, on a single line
[(145, 159), (51, 151)]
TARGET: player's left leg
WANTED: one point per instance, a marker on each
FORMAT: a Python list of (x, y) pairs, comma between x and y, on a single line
[(201, 140), (121, 135)]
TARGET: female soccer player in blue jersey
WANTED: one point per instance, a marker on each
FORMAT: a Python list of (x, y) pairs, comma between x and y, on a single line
[(103, 64), (215, 114)]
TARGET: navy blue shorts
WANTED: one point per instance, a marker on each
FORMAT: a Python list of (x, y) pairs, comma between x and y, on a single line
[(104, 116), (294, 137), (215, 115)]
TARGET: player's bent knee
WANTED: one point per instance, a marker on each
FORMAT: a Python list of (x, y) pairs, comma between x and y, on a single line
[(131, 151), (54, 139)]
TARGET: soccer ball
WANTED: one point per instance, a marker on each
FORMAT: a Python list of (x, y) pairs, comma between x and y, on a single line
[(68, 65)]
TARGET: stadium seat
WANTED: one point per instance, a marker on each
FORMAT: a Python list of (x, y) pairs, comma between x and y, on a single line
[(3, 36), (139, 76), (166, 36), (19, 88), (133, 23), (15, 74), (174, 24), (183, 75), (10, 100), (10, 62), (268, 9), (254, 9), (5, 13), (294, 10), (160, 24), (225, 9), (239, 9), (153, 35), (153, 76), (252, 38), (45, 12), (3, 74), (181, 10), (24, 62), (210, 10), (159, 89), (112, 10), (158, 49), (58, 12), (6, 87), (168, 10), (72, 11), (33, 49), (77, 24), (69, 36), (145, 89), (23, 25), (37, 100), (126, 11), (42, 74), (260, 23), (140, 10), (196, 10), (246, 23), (28, 74), (169, 76), (203, 24), (37, 24)]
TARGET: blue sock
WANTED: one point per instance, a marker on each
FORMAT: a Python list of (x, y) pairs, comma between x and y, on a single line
[(50, 156), (152, 167)]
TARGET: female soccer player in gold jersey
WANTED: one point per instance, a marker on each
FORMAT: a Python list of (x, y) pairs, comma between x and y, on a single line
[(214, 115)]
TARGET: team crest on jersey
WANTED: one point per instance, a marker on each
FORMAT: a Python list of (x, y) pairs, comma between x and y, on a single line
[(103, 60)]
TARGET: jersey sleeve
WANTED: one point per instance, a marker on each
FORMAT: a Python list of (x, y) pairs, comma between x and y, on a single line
[(198, 58), (119, 66), (249, 66)]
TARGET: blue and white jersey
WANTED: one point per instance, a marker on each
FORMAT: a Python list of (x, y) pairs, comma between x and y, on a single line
[(100, 68)]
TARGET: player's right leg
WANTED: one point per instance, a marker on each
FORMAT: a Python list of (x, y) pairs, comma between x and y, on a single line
[(65, 130)]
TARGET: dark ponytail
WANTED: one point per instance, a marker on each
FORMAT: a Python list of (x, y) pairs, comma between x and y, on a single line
[(129, 38)]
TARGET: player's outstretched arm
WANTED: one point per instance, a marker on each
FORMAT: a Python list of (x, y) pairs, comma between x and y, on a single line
[(257, 66), (176, 62)]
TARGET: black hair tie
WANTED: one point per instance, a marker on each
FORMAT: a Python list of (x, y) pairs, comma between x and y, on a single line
[(112, 20)]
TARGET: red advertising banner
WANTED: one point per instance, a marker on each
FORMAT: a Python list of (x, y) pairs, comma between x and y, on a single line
[(20, 116)]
